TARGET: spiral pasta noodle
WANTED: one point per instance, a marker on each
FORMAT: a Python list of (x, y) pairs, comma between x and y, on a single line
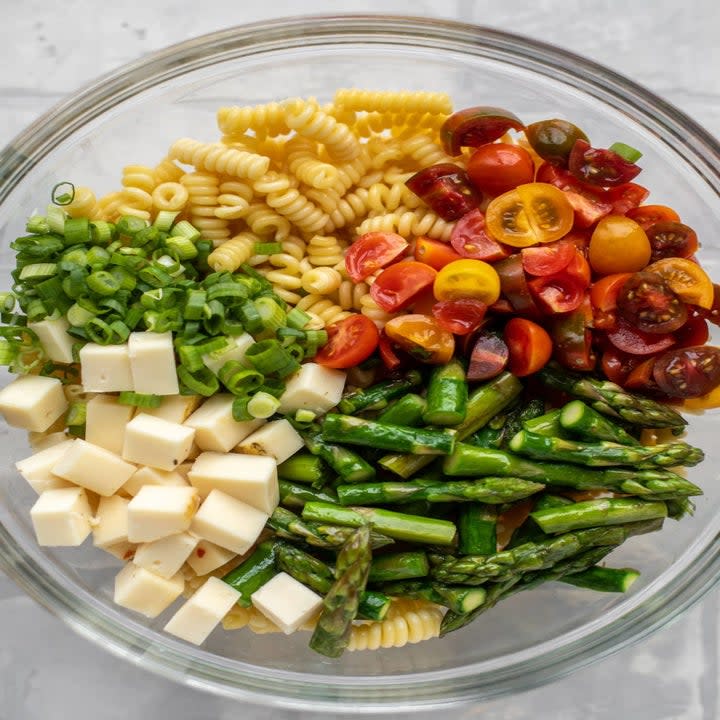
[(83, 203), (233, 199), (218, 158), (383, 198), (409, 222), (322, 310), (425, 151), (304, 162), (231, 254), (300, 211), (268, 119), (263, 220), (321, 281), (170, 196), (203, 190), (394, 102), (324, 250), (167, 171)]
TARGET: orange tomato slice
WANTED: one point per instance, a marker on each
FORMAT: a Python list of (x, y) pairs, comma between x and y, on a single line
[(686, 279)]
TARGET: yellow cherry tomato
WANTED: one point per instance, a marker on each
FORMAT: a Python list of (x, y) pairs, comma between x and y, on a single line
[(686, 279), (467, 279), (618, 245), (422, 337), (530, 214)]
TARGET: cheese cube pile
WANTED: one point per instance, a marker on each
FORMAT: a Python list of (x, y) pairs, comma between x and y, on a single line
[(62, 517), (33, 402)]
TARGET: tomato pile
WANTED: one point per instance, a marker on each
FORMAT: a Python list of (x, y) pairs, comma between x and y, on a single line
[(553, 255)]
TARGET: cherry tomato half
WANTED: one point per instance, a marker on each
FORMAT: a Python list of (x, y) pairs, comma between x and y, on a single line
[(646, 302), (467, 279), (488, 358), (604, 297), (471, 239), (397, 286), (694, 332), (422, 337), (686, 279), (572, 337), (647, 215), (625, 197), (553, 140), (629, 339), (497, 168), (599, 166), (461, 316), (671, 239), (617, 245), (434, 253), (559, 293), (476, 126), (549, 259), (641, 377), (617, 365), (688, 372), (446, 188), (372, 251), (389, 357), (350, 342), (514, 286), (529, 214), (529, 345)]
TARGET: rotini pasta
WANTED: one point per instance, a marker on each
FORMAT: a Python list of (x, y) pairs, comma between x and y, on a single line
[(324, 250), (394, 102), (425, 151), (231, 254), (321, 281), (322, 310), (83, 203), (167, 171), (409, 222), (204, 190), (170, 196), (383, 198), (216, 157), (266, 119), (305, 164), (233, 200), (294, 206), (264, 221)]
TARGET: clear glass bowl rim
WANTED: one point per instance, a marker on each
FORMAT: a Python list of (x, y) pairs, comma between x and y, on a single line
[(660, 603)]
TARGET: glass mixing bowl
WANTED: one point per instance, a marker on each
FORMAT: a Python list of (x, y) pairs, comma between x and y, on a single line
[(134, 114)]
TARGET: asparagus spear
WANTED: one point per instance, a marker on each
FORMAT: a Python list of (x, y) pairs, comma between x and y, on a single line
[(483, 404), (477, 529), (407, 411), (467, 460), (610, 399), (594, 513), (346, 463), (378, 396), (253, 572), (547, 424), (491, 490), (447, 395), (603, 579), (304, 468), (413, 528), (399, 566), (356, 431), (460, 599), (295, 496), (289, 526), (501, 429), (604, 453), (678, 508), (454, 619), (319, 577), (340, 605), (580, 419)]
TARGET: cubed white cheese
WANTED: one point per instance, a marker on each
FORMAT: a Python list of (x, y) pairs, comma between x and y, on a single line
[(156, 512), (93, 468), (235, 350), (105, 368), (312, 387), (33, 402), (37, 469), (111, 521), (145, 592), (156, 442), (278, 438), (53, 336), (215, 428), (153, 476), (61, 517), (228, 522), (287, 602), (124, 551), (208, 556), (199, 616), (167, 555), (250, 478), (152, 363), (105, 422), (174, 408)]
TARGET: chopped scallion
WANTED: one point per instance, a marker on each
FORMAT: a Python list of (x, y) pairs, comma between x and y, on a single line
[(127, 397), (262, 405), (626, 152)]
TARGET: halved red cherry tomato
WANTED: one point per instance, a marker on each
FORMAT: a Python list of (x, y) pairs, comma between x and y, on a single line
[(529, 344), (372, 251), (461, 316), (390, 359), (422, 337), (686, 279), (629, 339), (671, 239), (476, 126), (471, 239), (514, 286), (626, 197), (646, 301), (641, 377), (446, 188), (559, 293), (498, 167), (548, 259), (598, 166), (489, 357), (397, 286), (579, 268), (694, 332), (647, 215), (350, 341), (604, 296), (572, 337), (434, 253), (688, 372), (617, 365)]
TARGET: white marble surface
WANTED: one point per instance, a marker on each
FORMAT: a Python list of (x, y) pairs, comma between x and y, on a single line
[(50, 49)]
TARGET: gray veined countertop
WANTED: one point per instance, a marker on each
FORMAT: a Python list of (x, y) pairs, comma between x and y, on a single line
[(50, 49)]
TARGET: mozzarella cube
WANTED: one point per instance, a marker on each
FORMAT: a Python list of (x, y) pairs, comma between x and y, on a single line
[(208, 556), (53, 336), (250, 478), (152, 363), (215, 427), (111, 521), (145, 592), (153, 476), (287, 602), (124, 551), (61, 517), (228, 522), (278, 438), (156, 442), (37, 469), (234, 351), (93, 467), (200, 615), (105, 368), (33, 402), (105, 422), (166, 556), (156, 512), (174, 408), (312, 387)]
